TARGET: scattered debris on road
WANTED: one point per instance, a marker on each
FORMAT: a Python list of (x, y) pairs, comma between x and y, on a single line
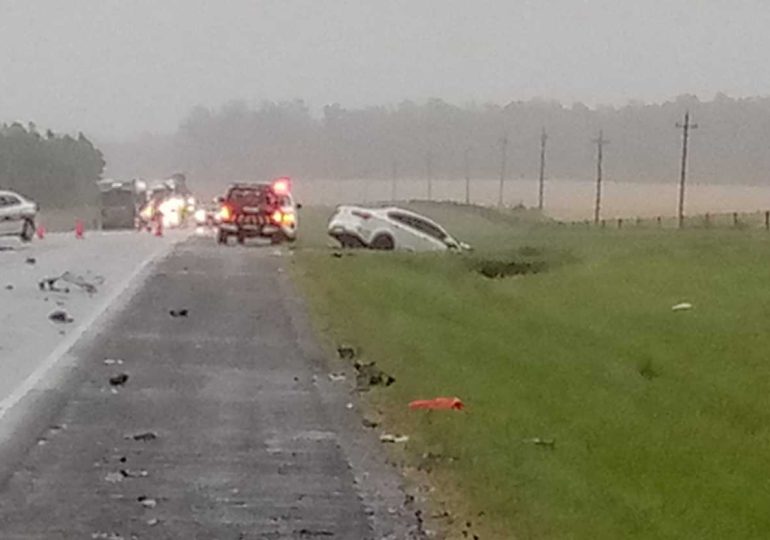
[(303, 533), (147, 502), (89, 284), (127, 473), (119, 379), (439, 403), (113, 362), (179, 313), (337, 377), (31, 260), (346, 352), (684, 306), (106, 536), (113, 477), (396, 439), (145, 436), (370, 375), (9, 287), (370, 424), (60, 316)]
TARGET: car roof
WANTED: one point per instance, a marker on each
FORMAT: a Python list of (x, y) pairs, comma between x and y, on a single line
[(248, 185), (8, 192), (387, 209)]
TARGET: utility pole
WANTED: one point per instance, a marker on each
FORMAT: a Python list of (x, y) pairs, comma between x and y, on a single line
[(393, 179), (686, 126), (503, 167), (429, 170), (466, 156), (600, 142), (541, 190)]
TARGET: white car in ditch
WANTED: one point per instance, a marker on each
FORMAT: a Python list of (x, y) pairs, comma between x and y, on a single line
[(388, 229), (17, 216)]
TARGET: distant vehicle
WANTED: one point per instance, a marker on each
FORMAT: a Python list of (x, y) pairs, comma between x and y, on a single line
[(17, 216), (120, 203), (206, 215), (258, 211), (388, 229)]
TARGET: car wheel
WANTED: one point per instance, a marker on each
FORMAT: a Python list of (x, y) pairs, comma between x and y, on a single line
[(383, 242), (222, 238), (27, 231)]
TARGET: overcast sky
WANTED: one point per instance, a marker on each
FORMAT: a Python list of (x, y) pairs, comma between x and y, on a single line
[(114, 68)]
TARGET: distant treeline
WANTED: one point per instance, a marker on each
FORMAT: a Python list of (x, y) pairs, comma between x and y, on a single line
[(54, 170), (732, 144)]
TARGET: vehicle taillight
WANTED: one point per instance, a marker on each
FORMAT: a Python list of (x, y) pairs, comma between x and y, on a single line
[(362, 215), (277, 217), (225, 213)]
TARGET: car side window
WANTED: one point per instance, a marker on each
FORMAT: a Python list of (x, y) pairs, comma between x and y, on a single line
[(419, 225), (429, 229), (400, 218)]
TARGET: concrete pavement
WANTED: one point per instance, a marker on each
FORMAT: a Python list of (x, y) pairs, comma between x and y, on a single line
[(243, 436)]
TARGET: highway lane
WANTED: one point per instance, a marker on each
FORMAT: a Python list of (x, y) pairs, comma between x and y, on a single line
[(247, 441)]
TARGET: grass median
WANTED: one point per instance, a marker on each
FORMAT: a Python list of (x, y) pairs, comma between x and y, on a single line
[(652, 423)]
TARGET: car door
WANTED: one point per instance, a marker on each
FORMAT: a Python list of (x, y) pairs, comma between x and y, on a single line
[(9, 214), (433, 237), (404, 233), (413, 232)]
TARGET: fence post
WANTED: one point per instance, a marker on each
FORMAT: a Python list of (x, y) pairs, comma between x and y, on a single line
[(638, 222), (660, 221), (767, 220), (604, 223), (620, 223), (735, 219), (708, 220)]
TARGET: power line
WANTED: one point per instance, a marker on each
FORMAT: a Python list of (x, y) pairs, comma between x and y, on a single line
[(685, 126), (467, 163), (393, 179), (599, 142), (541, 185), (429, 170), (503, 167)]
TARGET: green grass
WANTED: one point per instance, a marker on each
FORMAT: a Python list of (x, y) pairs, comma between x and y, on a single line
[(661, 419)]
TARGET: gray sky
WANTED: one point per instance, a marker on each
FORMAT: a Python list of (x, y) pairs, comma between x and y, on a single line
[(115, 68)]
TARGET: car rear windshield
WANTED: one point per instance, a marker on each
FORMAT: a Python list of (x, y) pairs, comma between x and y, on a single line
[(249, 195)]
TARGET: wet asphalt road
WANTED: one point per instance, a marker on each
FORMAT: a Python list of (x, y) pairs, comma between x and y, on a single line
[(252, 443)]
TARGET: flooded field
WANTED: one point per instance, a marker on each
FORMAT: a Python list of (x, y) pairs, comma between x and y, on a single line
[(564, 199)]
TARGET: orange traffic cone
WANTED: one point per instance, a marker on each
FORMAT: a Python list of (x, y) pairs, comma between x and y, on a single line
[(40, 231), (438, 403), (80, 229)]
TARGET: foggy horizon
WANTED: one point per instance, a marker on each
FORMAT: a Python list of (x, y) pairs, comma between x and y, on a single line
[(116, 70)]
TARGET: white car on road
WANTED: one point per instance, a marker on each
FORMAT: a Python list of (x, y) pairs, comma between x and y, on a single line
[(389, 228), (17, 216)]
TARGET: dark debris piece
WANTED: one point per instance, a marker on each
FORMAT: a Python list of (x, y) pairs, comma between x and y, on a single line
[(179, 313), (31, 260), (370, 375), (60, 316), (119, 380), (346, 352), (144, 436)]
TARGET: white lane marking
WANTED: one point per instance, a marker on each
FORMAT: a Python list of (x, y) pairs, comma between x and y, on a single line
[(68, 342)]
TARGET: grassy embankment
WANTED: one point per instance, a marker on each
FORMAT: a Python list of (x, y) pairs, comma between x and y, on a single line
[(660, 419)]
